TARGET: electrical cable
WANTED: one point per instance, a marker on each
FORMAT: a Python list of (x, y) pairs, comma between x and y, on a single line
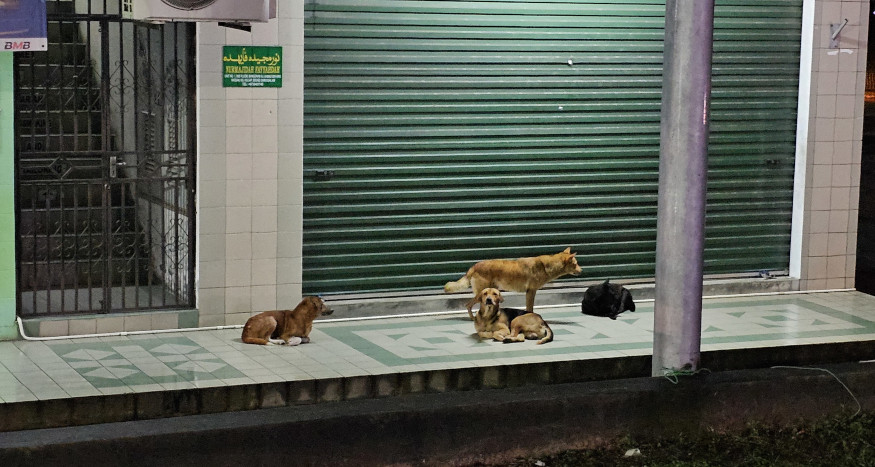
[(859, 406), (672, 374)]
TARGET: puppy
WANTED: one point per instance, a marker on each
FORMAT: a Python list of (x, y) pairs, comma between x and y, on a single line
[(291, 327), (506, 325), (519, 275), (529, 326), (607, 300)]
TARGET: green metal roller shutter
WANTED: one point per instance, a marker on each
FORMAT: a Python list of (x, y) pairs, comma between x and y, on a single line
[(440, 133)]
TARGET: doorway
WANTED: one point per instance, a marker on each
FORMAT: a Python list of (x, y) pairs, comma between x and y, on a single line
[(104, 158)]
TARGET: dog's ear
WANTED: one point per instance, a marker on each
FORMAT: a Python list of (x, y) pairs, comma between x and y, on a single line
[(567, 250), (480, 296), (500, 298), (628, 303)]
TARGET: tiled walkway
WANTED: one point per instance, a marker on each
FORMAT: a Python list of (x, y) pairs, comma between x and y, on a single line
[(57, 369)]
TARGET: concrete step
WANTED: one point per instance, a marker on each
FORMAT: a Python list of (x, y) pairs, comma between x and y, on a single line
[(552, 294), (490, 425), (69, 121), (110, 408)]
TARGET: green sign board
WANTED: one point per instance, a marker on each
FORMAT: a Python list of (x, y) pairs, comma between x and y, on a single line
[(252, 66)]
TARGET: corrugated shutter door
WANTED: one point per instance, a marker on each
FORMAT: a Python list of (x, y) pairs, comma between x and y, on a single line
[(440, 133)]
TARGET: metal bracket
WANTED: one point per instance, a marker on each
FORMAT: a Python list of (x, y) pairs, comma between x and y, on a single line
[(834, 30), (323, 175)]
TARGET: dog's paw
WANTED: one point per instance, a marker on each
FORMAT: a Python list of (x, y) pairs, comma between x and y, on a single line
[(305, 340), (276, 341), (294, 340)]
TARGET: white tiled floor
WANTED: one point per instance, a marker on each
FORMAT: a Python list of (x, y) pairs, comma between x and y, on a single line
[(38, 370)]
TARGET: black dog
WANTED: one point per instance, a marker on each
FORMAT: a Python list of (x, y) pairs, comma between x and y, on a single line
[(608, 300)]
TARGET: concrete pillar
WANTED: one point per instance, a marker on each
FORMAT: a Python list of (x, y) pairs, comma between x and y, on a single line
[(683, 163)]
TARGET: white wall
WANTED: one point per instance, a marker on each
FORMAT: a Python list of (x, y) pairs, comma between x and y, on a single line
[(250, 159), (251, 149), (830, 146)]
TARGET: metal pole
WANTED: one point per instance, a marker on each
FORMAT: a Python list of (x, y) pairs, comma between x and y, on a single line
[(683, 161)]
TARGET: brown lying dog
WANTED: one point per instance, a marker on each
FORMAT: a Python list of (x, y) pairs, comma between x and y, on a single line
[(529, 326), (291, 327), (507, 325), (519, 275)]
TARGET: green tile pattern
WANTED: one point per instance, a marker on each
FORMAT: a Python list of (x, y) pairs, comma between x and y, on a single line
[(453, 339), (144, 363), (148, 361)]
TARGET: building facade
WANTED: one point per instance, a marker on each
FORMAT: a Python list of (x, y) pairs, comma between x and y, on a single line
[(267, 227)]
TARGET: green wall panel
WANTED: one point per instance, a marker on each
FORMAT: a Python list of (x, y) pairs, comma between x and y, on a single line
[(458, 131), (8, 328)]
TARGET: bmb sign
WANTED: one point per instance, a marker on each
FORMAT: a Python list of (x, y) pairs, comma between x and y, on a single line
[(23, 25), (16, 46)]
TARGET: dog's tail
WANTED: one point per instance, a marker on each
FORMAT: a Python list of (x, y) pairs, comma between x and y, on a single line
[(247, 337), (548, 337), (458, 286), (254, 340)]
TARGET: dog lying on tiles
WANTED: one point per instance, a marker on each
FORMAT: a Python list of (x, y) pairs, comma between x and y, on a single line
[(606, 300), (290, 327), (519, 275), (506, 324)]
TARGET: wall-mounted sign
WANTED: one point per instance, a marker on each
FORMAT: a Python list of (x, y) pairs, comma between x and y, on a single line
[(23, 25), (252, 66)]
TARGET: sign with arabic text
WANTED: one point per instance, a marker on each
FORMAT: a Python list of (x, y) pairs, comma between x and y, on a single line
[(252, 66)]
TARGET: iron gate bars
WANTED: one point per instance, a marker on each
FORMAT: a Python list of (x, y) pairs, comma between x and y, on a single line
[(105, 132)]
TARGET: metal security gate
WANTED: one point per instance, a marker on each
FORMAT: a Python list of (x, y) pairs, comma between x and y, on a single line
[(441, 133), (105, 164)]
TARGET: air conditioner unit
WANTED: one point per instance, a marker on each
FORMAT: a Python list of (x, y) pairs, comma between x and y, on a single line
[(254, 11)]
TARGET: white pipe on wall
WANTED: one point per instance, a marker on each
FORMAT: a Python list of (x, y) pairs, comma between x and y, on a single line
[(368, 318)]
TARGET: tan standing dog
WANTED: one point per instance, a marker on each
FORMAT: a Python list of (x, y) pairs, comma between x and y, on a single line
[(507, 325), (291, 327), (518, 275)]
